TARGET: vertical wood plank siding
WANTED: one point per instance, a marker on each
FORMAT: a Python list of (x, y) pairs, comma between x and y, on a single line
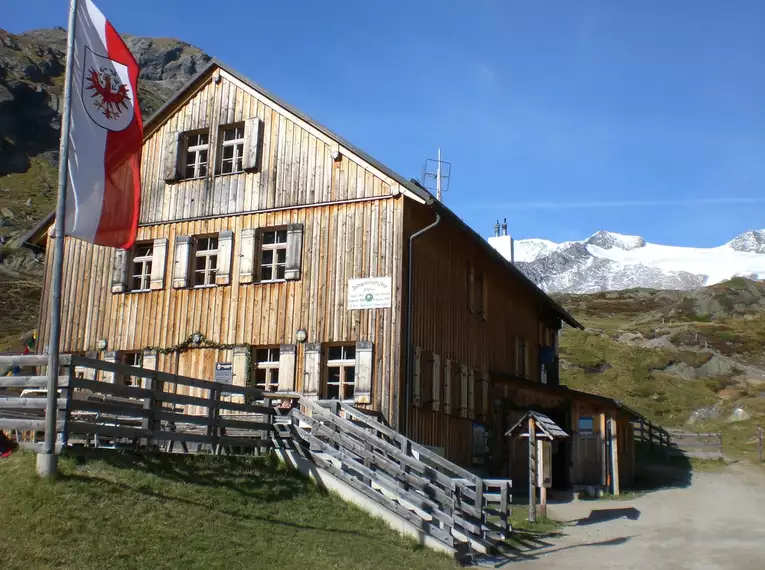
[(258, 314), (296, 163)]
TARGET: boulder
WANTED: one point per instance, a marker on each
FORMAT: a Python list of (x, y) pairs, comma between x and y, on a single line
[(738, 415)]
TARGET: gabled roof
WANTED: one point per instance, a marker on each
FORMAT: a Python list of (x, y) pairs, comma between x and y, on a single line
[(415, 190), (549, 428)]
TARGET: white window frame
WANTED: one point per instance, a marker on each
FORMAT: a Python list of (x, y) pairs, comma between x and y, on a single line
[(145, 262), (238, 150), (343, 364), (208, 254), (194, 152), (271, 367), (276, 247), (137, 362)]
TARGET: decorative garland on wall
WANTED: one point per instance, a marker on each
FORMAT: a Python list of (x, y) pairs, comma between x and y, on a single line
[(198, 340)]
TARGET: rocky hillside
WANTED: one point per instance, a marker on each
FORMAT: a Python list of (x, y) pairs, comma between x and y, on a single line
[(684, 359), (31, 82)]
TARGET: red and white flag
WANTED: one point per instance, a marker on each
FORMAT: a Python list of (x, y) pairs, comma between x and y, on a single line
[(106, 133)]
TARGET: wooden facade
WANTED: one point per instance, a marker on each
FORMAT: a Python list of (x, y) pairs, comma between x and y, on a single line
[(224, 166)]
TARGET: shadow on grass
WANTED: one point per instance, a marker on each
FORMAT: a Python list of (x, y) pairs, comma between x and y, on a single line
[(263, 478)]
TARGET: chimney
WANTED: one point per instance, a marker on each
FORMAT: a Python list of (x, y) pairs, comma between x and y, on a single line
[(496, 229), (504, 227), (512, 250)]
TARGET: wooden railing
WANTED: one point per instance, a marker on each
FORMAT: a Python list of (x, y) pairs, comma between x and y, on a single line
[(93, 412), (444, 500), (652, 434)]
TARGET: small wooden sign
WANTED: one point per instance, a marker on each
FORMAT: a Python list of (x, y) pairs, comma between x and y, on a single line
[(224, 372)]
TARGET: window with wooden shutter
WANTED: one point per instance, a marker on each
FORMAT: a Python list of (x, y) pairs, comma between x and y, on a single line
[(247, 256), (267, 363), (417, 378), (173, 143), (294, 252), (362, 393), (462, 410), (312, 371), (225, 252), (252, 144), (287, 353), (231, 149), (158, 262), (436, 397), (448, 389), (119, 271), (272, 254), (181, 262), (341, 372), (140, 266)]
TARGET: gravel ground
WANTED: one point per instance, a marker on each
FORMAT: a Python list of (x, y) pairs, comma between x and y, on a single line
[(717, 523)]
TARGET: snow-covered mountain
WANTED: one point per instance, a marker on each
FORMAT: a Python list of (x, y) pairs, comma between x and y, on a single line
[(610, 261)]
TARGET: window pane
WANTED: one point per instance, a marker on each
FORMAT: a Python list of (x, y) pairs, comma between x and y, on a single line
[(240, 132), (350, 375), (136, 283), (281, 236), (281, 256), (213, 262), (280, 272), (333, 392), (274, 354), (202, 156), (333, 374), (268, 257), (335, 353), (202, 138), (143, 250), (225, 167), (201, 263), (261, 355), (229, 134), (199, 278), (260, 376), (238, 166), (266, 273), (228, 152), (347, 391), (268, 237), (189, 171), (349, 352), (202, 170)]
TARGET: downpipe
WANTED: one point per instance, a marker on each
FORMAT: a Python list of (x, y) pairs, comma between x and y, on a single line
[(409, 305)]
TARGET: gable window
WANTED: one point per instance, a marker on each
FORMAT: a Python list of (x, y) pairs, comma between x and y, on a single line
[(476, 291), (140, 266), (267, 369), (231, 149), (197, 147), (273, 254), (341, 372), (205, 260)]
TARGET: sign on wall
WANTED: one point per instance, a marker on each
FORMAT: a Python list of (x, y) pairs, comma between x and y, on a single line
[(369, 293), (586, 426), (224, 372)]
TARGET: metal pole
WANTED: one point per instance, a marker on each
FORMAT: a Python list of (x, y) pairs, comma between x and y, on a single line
[(47, 464), (438, 176)]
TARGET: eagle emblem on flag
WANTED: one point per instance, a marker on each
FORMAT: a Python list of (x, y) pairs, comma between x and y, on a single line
[(106, 92)]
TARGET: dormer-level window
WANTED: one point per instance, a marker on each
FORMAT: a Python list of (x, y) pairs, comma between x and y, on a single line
[(205, 260), (232, 149), (197, 153), (140, 267)]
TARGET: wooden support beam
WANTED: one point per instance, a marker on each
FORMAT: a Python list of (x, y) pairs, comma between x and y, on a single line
[(532, 470), (614, 458)]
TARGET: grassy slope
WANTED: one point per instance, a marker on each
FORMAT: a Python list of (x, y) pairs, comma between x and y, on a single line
[(168, 511), (599, 359)]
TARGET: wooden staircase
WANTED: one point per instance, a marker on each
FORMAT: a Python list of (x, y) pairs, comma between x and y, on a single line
[(461, 511)]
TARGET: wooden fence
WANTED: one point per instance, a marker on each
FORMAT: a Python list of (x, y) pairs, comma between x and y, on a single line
[(652, 434), (698, 445), (95, 413), (420, 486)]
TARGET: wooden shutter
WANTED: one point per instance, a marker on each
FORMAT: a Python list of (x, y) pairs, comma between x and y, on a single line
[(287, 354), (471, 394), (436, 407), (181, 262), (110, 356), (448, 386), (417, 378), (462, 408), (171, 170), (240, 365), (158, 262), (225, 250), (362, 392), (312, 372), (247, 256), (149, 362), (251, 157), (294, 252), (119, 271)]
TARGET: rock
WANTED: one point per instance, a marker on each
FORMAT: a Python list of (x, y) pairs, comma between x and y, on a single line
[(29, 202), (738, 415), (7, 213), (704, 414)]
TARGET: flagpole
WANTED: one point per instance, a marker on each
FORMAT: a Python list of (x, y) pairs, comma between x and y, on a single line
[(47, 461)]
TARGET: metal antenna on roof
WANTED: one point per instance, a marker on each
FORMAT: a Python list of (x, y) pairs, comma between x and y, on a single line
[(435, 176)]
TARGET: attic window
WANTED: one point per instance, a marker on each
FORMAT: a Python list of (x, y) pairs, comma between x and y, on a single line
[(232, 149), (197, 147)]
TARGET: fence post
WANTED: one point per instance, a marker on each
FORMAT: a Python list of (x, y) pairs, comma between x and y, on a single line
[(650, 433), (68, 400), (212, 416), (504, 506), (479, 501), (150, 404)]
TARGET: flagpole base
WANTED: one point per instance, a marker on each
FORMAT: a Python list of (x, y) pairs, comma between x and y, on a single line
[(47, 465)]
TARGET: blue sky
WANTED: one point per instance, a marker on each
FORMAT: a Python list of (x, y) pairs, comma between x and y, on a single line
[(566, 117)]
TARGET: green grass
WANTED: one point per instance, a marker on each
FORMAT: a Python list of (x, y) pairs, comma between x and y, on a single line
[(37, 183), (121, 510)]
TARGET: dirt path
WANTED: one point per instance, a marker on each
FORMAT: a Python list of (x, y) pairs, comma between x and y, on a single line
[(718, 523)]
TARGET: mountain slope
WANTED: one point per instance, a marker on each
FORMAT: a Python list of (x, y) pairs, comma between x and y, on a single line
[(611, 261)]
